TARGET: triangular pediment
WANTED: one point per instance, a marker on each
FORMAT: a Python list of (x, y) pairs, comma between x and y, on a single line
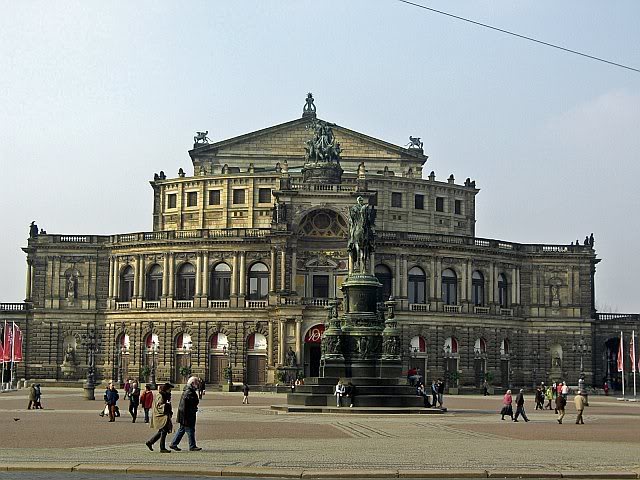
[(287, 140)]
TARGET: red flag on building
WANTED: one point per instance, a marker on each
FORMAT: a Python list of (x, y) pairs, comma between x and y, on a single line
[(1, 352), (8, 342), (621, 354), (17, 343)]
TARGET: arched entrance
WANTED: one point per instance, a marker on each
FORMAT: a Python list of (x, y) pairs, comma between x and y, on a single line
[(505, 363), (256, 359), (218, 358), (149, 354), (312, 350), (451, 357), (122, 358), (480, 360), (182, 362)]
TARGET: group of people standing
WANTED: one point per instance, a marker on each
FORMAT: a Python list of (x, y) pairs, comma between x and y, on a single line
[(559, 392), (346, 391), (436, 392)]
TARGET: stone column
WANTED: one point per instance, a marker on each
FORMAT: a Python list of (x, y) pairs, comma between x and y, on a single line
[(518, 290), (432, 283), (136, 279), (165, 275), (281, 342), (141, 276), (272, 272), (116, 279), (405, 284), (111, 277), (514, 286), (372, 263), (299, 340), (29, 280), (270, 344), (464, 283), (397, 291), (243, 274), (172, 290), (492, 283), (234, 275), (294, 264), (205, 276), (438, 279), (283, 268), (198, 291)]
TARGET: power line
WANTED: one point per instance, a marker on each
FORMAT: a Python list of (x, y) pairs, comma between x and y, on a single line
[(524, 37)]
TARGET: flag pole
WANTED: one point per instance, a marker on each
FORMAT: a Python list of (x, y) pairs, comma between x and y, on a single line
[(633, 360), (13, 351), (621, 350), (4, 347), (2, 371)]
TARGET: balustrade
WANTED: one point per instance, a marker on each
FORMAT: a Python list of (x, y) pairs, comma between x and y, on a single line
[(255, 304), (451, 308), (419, 307), (183, 304), (218, 303)]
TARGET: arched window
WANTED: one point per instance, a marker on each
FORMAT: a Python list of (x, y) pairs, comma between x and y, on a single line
[(126, 284), (418, 344), (154, 283), (220, 285), (183, 342), (386, 279), (451, 346), (449, 287), (480, 347), (502, 291), (417, 285), (186, 284), (258, 281), (505, 347), (477, 288)]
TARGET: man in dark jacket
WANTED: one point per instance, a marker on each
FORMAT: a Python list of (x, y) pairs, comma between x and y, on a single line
[(187, 416), (520, 407), (111, 399)]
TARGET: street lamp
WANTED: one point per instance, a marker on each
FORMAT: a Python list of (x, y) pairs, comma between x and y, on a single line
[(121, 353), (580, 347), (92, 345), (227, 351)]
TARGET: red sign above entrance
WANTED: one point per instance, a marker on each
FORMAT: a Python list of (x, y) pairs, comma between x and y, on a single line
[(314, 335)]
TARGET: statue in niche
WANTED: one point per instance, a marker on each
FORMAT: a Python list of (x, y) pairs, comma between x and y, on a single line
[(72, 282), (555, 295), (292, 360), (557, 361), (70, 355)]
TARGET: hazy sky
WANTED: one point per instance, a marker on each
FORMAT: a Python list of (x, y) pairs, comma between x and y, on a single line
[(97, 96)]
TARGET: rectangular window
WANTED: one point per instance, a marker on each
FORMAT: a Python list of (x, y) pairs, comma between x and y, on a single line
[(171, 200), (419, 202), (396, 199), (238, 197), (264, 195), (192, 199), (439, 204), (321, 286), (458, 207), (214, 197)]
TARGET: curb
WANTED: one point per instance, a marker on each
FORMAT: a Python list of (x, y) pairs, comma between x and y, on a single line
[(311, 473)]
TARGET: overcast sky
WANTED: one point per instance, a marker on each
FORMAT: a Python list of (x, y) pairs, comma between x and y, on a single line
[(97, 96)]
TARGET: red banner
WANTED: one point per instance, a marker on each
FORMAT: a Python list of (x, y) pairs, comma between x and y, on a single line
[(8, 341), (314, 334), (621, 354), (17, 344), (1, 350), (632, 352)]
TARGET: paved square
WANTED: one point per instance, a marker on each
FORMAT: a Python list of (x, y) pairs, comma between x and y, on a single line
[(470, 438)]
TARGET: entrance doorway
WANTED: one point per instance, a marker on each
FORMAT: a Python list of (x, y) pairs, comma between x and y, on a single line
[(256, 373), (312, 350)]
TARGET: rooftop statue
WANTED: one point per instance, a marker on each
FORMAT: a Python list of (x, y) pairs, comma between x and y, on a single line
[(362, 219), (323, 147), (309, 108), (414, 143), (201, 138)]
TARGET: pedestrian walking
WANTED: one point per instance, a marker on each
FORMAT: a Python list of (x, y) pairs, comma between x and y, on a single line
[(245, 393), (565, 390), (127, 388), (440, 392), (520, 407), (38, 397), (161, 418), (146, 401), (485, 388), (581, 401), (549, 396), (539, 398), (134, 401), (507, 408), (339, 392), (561, 403), (201, 389), (187, 416), (32, 397), (111, 397), (434, 393)]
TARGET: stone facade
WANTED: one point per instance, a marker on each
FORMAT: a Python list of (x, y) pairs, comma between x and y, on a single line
[(244, 257)]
